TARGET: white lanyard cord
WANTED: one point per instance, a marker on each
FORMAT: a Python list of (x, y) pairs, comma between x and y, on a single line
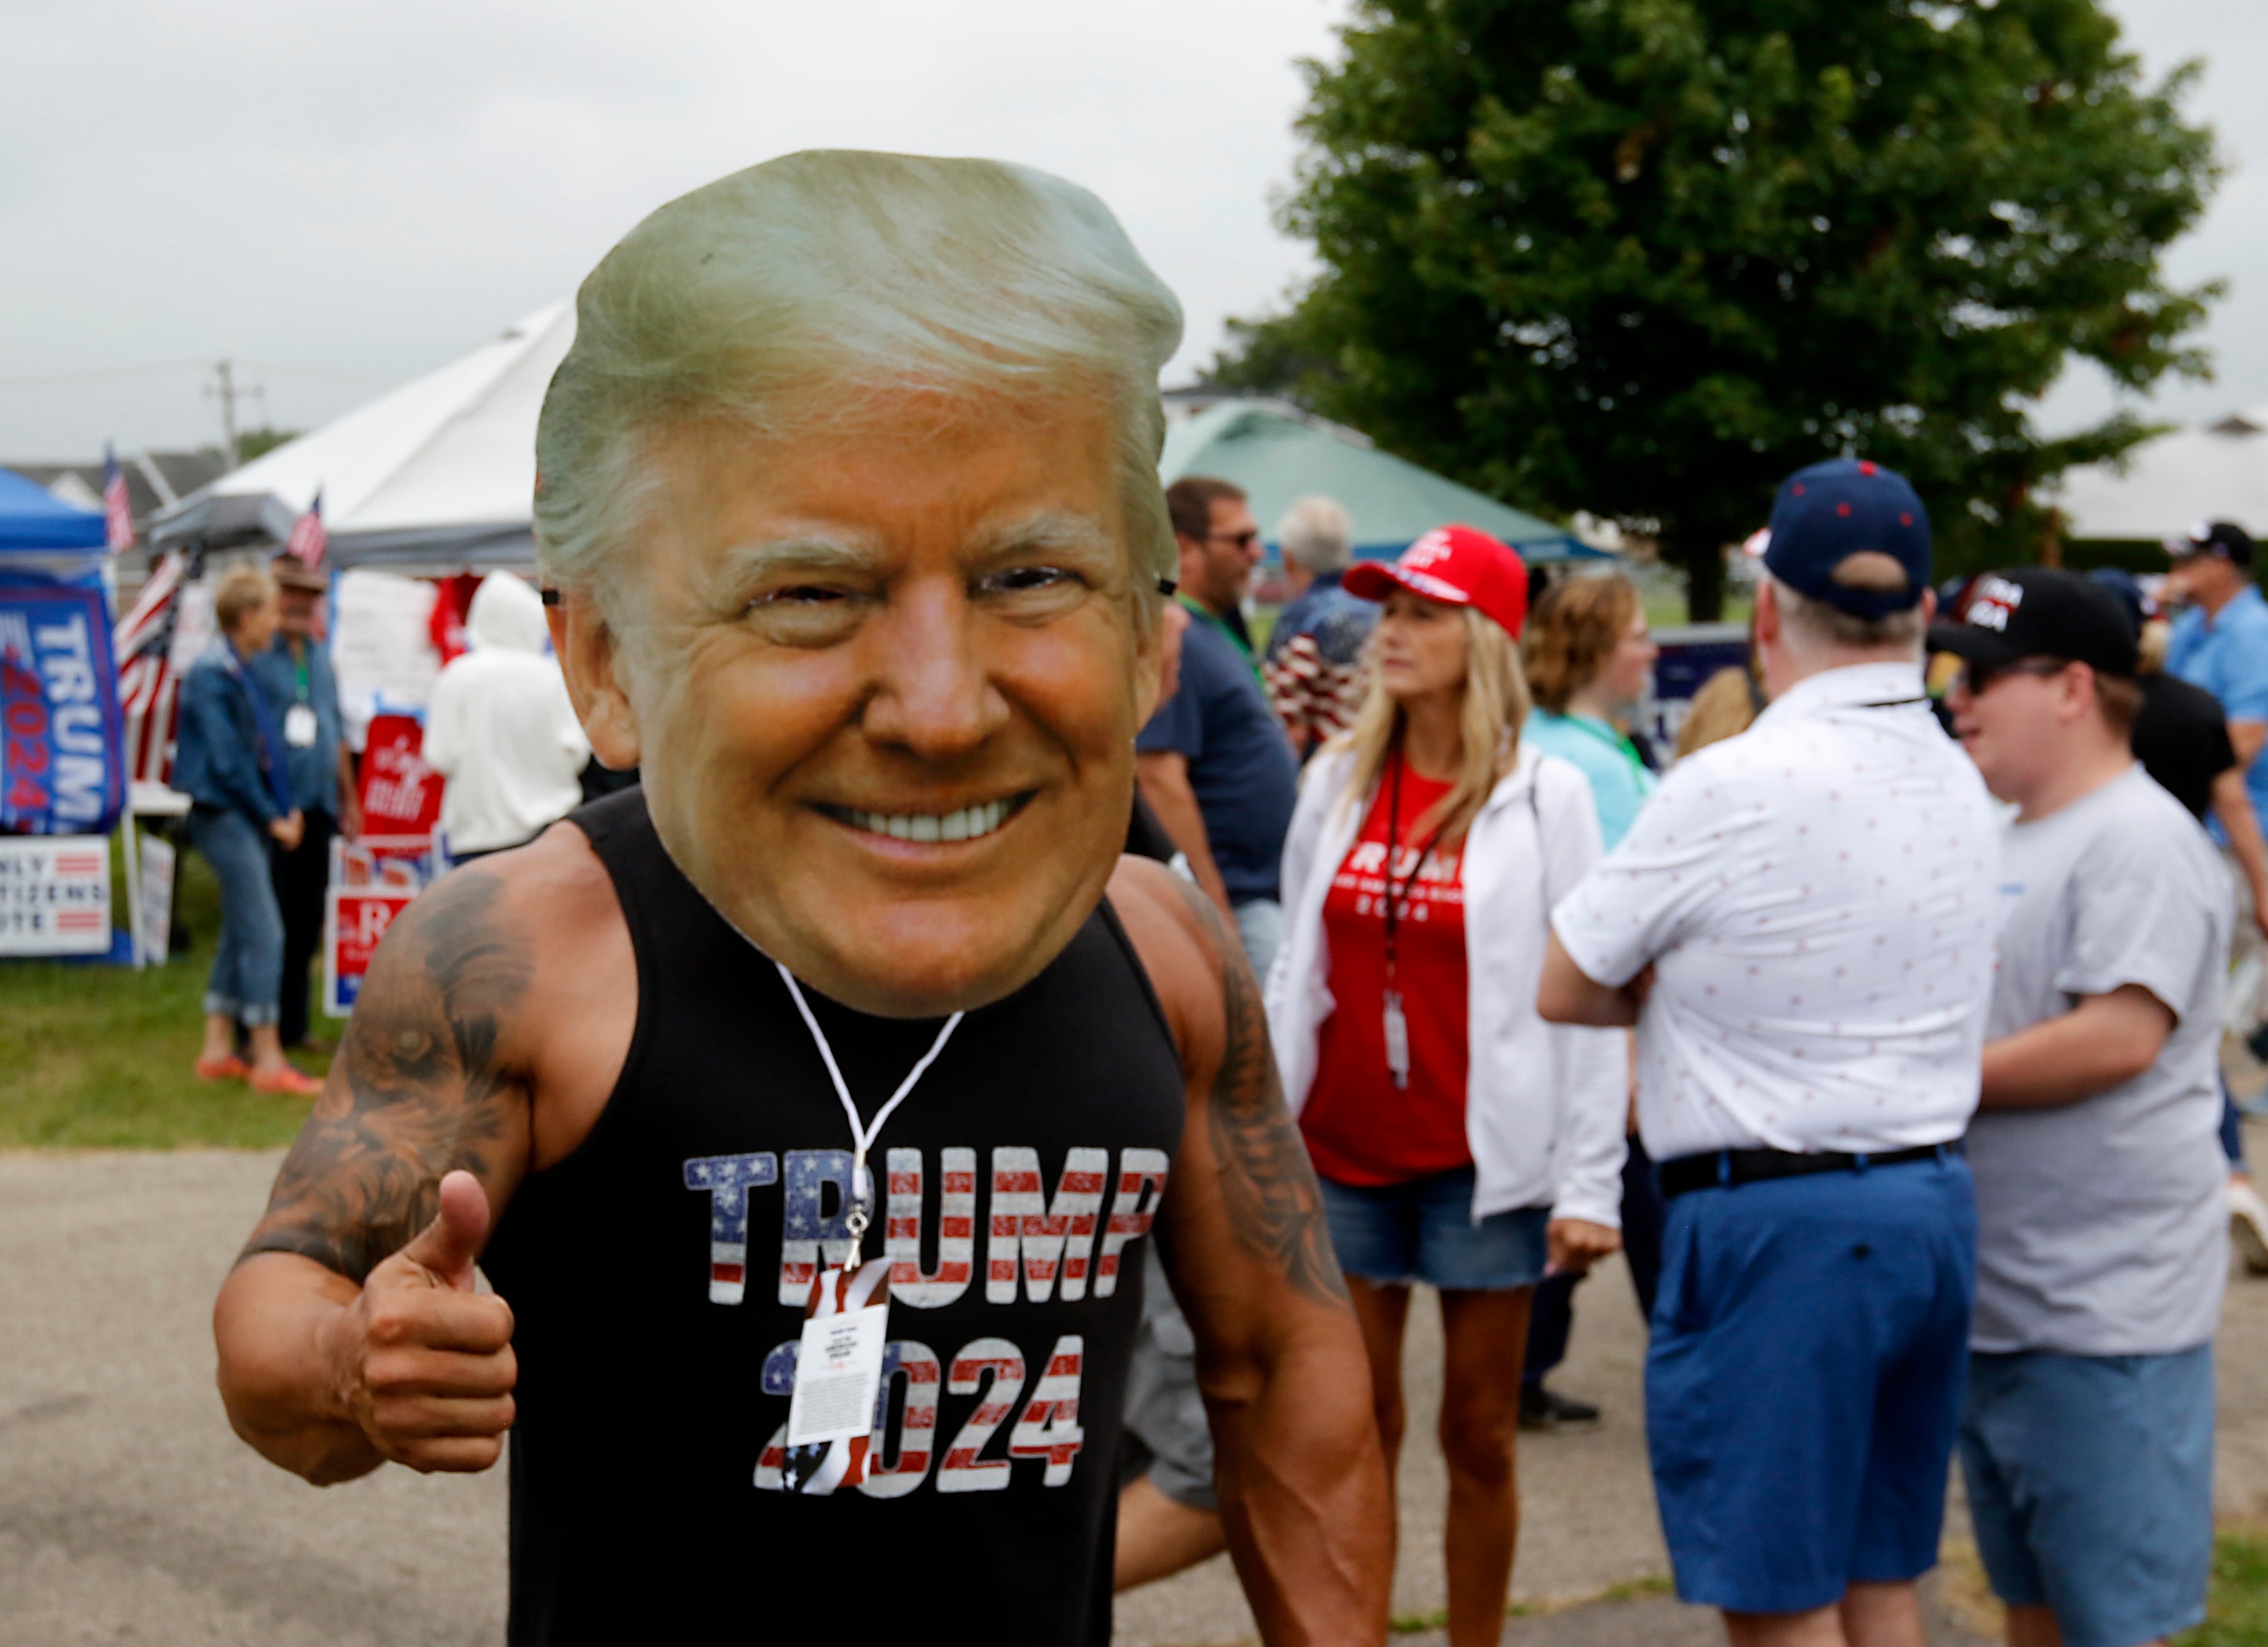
[(859, 1214)]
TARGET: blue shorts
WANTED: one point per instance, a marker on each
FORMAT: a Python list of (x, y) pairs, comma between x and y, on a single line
[(2090, 1482), (1804, 1380), (1423, 1231)]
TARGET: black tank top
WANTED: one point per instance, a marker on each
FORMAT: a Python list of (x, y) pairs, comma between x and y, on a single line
[(658, 1277)]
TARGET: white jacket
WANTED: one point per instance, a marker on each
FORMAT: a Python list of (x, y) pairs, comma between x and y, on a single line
[(500, 727), (1545, 1102)]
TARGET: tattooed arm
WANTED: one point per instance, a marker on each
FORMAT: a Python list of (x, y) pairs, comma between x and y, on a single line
[(1298, 1469), (348, 1332)]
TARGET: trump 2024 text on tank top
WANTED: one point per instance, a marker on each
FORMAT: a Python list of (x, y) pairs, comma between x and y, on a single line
[(658, 1277)]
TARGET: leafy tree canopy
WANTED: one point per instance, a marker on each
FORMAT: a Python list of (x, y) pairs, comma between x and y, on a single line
[(258, 442), (1643, 257)]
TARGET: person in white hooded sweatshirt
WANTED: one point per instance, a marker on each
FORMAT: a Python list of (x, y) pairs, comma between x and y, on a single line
[(1459, 1139), (501, 729)]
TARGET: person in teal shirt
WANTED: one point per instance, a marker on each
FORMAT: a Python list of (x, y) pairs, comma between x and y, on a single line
[(1589, 660)]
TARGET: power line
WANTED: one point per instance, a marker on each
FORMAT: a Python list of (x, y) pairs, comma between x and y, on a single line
[(102, 374), (97, 374)]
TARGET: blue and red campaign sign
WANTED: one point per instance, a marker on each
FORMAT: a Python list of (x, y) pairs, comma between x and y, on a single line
[(63, 769)]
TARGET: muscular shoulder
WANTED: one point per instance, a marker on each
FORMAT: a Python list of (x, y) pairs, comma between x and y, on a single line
[(553, 891), (485, 1037), (500, 923), (1178, 936), (1163, 910), (549, 924)]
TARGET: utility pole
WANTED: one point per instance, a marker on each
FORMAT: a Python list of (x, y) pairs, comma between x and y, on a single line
[(227, 391)]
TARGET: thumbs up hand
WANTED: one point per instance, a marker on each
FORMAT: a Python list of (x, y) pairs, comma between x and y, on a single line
[(423, 1362)]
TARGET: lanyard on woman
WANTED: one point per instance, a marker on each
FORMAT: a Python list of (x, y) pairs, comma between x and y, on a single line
[(1397, 1025), (861, 1214)]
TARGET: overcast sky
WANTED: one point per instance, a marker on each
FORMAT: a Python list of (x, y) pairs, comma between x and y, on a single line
[(337, 198)]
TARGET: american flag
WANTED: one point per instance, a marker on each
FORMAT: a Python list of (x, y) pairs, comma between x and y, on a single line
[(117, 513), (308, 539), (149, 690)]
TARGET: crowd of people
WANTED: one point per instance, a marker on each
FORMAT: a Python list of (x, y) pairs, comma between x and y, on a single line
[(1451, 1129), (263, 756), (1891, 1057)]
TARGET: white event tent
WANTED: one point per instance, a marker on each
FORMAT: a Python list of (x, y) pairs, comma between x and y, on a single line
[(2219, 472), (436, 476)]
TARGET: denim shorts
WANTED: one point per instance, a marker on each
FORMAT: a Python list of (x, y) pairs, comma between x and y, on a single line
[(1423, 1231), (2090, 1483)]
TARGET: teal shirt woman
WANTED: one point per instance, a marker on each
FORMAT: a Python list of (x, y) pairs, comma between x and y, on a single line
[(1620, 781), (1589, 660)]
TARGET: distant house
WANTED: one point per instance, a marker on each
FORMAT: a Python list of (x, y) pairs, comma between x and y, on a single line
[(155, 481)]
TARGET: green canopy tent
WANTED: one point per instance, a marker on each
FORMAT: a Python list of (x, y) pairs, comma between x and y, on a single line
[(1277, 454)]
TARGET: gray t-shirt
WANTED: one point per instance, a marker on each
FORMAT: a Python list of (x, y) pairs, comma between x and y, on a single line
[(2103, 1226)]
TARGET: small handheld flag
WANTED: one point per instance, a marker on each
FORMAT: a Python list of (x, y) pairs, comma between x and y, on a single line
[(308, 539), (117, 511)]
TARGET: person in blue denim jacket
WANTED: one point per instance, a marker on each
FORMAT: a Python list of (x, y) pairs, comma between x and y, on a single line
[(295, 674), (230, 762)]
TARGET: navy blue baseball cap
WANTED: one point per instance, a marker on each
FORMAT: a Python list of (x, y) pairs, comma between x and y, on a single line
[(1830, 512)]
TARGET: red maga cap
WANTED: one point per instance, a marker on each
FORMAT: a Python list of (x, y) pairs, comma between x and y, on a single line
[(1457, 566)]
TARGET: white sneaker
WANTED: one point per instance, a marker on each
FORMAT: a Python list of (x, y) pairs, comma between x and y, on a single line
[(2248, 1225)]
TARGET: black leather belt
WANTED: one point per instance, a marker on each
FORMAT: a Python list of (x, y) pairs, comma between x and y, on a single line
[(1721, 1168)]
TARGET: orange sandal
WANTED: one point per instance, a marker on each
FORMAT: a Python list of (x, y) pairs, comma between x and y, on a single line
[(286, 1083), (229, 1068)]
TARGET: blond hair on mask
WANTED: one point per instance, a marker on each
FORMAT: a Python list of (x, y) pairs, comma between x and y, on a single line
[(794, 296)]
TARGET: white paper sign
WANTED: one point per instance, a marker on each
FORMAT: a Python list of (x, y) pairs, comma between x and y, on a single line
[(381, 646), (156, 932), (838, 1373), (54, 894)]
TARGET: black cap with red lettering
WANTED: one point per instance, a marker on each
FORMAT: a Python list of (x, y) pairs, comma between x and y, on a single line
[(2040, 612)]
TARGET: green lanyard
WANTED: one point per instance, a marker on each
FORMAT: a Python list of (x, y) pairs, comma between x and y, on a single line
[(1619, 743), (1205, 614)]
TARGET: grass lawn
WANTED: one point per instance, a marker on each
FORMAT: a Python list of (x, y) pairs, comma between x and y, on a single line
[(1665, 609), (2237, 1614), (98, 1057)]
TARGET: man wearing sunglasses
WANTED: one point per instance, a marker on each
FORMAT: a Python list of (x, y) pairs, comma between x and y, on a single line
[(2086, 1431), (1213, 762)]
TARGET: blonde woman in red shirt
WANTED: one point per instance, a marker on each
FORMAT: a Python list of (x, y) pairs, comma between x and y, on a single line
[(1461, 1141)]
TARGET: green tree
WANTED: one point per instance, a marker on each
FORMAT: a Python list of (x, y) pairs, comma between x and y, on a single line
[(1643, 257), (261, 439)]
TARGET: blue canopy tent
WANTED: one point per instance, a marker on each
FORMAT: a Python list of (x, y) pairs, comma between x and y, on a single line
[(33, 519)]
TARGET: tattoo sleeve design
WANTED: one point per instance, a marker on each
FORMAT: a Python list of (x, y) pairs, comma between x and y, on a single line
[(1274, 1205), (423, 1094)]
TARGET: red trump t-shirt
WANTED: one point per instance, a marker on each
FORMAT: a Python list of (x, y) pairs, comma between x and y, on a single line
[(1361, 1128)]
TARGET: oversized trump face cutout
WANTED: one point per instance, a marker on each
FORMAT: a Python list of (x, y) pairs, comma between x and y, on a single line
[(883, 686)]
